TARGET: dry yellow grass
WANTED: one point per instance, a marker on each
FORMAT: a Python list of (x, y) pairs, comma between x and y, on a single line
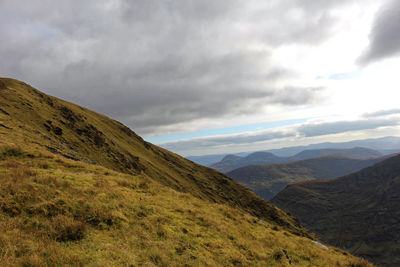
[(27, 116), (55, 211)]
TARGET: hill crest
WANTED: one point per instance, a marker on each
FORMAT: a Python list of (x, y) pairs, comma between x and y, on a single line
[(358, 212)]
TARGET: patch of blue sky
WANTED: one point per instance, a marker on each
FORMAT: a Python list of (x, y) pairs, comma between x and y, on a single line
[(221, 131), (46, 30), (340, 76)]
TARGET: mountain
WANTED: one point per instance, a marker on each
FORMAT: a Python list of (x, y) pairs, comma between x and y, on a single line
[(207, 159), (232, 162), (354, 153), (359, 212), (382, 144), (78, 188), (267, 180), (385, 145)]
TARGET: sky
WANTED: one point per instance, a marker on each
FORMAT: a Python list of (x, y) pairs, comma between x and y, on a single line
[(210, 77)]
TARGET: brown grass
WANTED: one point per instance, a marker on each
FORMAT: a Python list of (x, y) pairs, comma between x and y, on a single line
[(73, 214)]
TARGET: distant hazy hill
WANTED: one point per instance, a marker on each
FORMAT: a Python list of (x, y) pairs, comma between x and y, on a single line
[(206, 160), (232, 162), (359, 212), (80, 189), (354, 153), (267, 180), (385, 145)]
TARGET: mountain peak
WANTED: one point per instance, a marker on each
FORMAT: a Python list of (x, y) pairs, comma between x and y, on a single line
[(231, 157)]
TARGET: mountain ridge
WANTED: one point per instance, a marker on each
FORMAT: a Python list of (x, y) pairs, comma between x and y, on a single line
[(385, 145), (257, 158), (267, 180), (81, 134), (358, 212)]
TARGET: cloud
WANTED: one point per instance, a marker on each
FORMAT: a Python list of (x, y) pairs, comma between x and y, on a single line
[(325, 128), (305, 130), (159, 66), (385, 34), (226, 140), (382, 113)]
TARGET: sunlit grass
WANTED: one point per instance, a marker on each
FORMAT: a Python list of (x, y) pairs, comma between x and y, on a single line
[(55, 211)]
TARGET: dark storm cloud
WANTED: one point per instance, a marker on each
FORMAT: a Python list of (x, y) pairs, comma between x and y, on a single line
[(161, 65), (304, 130), (385, 33)]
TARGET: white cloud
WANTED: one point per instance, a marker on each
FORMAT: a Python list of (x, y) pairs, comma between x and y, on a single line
[(301, 131)]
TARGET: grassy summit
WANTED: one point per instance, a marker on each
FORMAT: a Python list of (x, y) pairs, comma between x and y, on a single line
[(77, 188)]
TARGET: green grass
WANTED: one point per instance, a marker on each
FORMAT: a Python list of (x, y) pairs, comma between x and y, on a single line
[(77, 133), (55, 211)]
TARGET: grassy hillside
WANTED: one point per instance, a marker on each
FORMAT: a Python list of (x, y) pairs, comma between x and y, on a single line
[(77, 188), (359, 212), (268, 180), (29, 116), (57, 212)]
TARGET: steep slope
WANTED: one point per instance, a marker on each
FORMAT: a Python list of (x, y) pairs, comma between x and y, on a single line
[(354, 153), (267, 180), (77, 188), (359, 212), (77, 133)]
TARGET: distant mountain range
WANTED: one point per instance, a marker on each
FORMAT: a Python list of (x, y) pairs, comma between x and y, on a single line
[(208, 160), (359, 212), (268, 179), (232, 162), (385, 145)]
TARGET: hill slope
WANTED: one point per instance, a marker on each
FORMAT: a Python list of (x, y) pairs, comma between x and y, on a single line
[(267, 180), (58, 212), (29, 116), (77, 188), (359, 212), (232, 162)]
